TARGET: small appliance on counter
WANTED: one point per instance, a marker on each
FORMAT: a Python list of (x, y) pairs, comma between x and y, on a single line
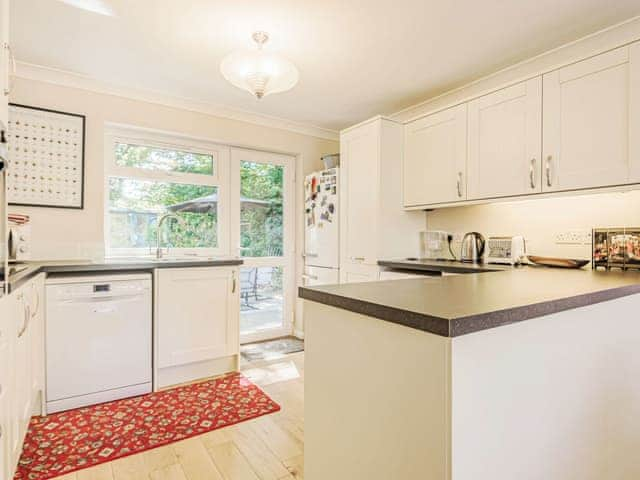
[(19, 242), (508, 250), (435, 245), (472, 250), (616, 248)]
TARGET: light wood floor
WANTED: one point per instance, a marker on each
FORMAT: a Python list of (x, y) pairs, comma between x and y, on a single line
[(266, 448)]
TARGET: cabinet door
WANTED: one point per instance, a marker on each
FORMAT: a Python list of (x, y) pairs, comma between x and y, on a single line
[(505, 141), (6, 382), (359, 273), (434, 169), (21, 404), (359, 150), (36, 340), (197, 314), (586, 122)]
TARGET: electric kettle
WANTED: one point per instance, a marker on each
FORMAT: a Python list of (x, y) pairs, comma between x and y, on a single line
[(472, 248)]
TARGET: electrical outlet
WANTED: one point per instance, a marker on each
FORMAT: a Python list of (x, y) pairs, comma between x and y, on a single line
[(574, 237)]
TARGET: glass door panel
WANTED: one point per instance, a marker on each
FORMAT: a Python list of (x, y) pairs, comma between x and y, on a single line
[(261, 209), (265, 225)]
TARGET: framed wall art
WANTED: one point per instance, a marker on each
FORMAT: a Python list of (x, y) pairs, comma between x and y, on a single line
[(46, 158)]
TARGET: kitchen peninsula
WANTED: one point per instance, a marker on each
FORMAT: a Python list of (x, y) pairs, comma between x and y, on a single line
[(524, 373)]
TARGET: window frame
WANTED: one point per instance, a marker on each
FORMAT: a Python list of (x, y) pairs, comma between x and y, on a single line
[(219, 179)]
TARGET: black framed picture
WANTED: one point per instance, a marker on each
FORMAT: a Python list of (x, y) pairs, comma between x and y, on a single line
[(46, 157)]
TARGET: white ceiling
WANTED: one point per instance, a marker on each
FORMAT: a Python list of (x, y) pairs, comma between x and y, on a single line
[(357, 58)]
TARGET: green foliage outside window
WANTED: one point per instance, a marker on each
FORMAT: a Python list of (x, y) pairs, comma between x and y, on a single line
[(261, 232)]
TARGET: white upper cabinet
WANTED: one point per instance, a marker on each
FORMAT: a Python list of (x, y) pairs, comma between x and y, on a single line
[(505, 141), (588, 110), (435, 158), (359, 154), (373, 225)]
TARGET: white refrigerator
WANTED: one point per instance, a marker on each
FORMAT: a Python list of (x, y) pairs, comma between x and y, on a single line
[(321, 240)]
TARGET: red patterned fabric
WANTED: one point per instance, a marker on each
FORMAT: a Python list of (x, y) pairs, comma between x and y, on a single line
[(67, 441)]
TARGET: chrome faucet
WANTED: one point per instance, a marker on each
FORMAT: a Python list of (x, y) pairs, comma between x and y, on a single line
[(159, 231)]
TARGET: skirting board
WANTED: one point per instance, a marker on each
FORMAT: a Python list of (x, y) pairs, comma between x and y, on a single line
[(191, 372)]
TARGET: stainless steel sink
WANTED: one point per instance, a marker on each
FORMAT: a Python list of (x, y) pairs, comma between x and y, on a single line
[(153, 259)]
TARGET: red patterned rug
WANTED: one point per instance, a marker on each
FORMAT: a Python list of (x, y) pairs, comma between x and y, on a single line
[(67, 441)]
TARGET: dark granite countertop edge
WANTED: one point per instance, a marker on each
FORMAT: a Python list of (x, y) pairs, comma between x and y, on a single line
[(443, 267), (458, 326), (18, 279), (499, 318), (407, 318)]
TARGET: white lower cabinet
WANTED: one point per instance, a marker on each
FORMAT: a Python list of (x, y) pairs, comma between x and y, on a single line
[(359, 273), (197, 322), (5, 385), (21, 368)]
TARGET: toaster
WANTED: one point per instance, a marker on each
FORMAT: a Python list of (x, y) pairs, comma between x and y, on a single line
[(506, 250)]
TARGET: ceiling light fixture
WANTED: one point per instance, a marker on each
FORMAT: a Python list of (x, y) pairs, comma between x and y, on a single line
[(96, 6), (259, 72)]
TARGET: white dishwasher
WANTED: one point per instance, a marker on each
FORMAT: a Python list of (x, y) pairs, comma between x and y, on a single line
[(98, 339)]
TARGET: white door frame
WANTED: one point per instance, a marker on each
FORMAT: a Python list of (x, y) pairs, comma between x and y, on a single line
[(287, 261)]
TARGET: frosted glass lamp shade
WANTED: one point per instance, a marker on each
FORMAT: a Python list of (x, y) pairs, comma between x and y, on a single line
[(259, 72)]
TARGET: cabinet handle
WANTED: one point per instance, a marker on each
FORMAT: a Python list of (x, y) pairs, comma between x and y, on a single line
[(309, 255), (310, 277), (459, 184), (25, 325), (532, 173), (12, 60), (37, 308), (233, 283), (548, 169), (357, 259)]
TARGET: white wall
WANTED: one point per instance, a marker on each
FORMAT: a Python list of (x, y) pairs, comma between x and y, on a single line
[(77, 234), (540, 220)]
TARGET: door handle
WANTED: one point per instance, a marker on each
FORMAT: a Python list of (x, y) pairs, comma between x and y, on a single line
[(548, 169), (532, 173)]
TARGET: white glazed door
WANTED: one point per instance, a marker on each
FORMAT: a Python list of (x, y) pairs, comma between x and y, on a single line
[(505, 141), (263, 229), (359, 194), (435, 158), (197, 314), (586, 122)]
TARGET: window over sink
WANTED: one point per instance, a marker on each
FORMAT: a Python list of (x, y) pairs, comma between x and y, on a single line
[(149, 175)]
